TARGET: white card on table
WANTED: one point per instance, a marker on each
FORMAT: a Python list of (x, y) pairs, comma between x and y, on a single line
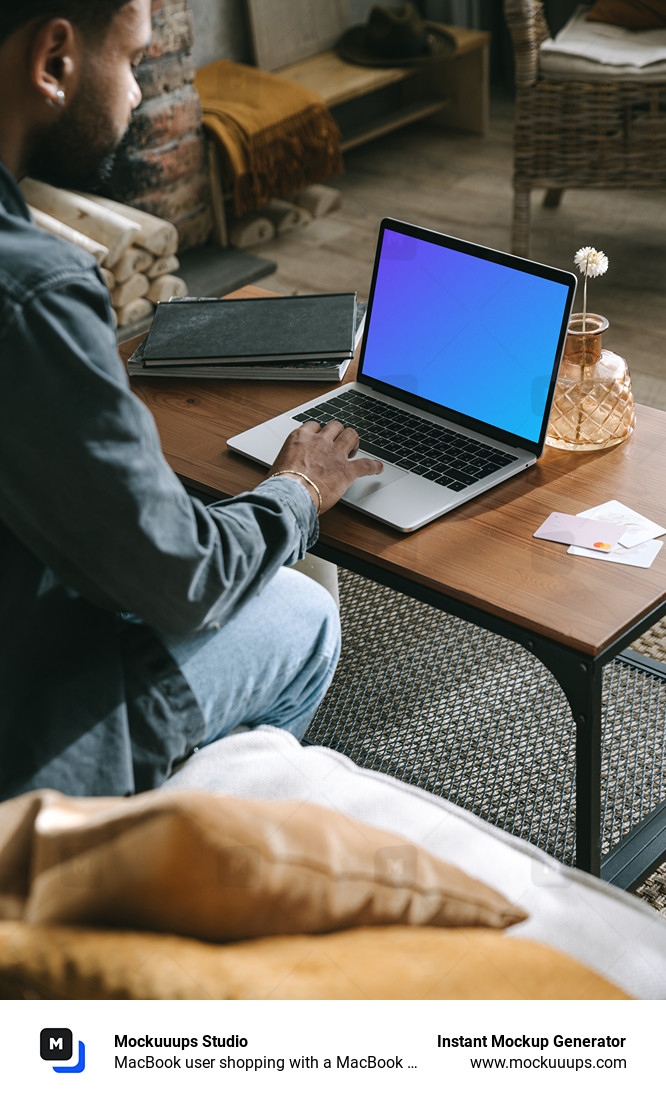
[(639, 529), (578, 531), (642, 555)]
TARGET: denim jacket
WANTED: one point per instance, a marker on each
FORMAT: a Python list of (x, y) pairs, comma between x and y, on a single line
[(94, 523)]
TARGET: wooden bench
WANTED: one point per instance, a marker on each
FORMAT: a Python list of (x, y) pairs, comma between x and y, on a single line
[(368, 102)]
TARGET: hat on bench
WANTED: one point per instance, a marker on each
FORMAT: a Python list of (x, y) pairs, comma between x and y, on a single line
[(395, 36)]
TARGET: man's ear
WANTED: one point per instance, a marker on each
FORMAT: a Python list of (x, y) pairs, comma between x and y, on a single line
[(54, 61)]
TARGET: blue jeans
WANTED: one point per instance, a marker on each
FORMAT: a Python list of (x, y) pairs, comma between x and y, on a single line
[(270, 664)]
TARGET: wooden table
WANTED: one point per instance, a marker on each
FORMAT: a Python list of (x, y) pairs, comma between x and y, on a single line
[(480, 562)]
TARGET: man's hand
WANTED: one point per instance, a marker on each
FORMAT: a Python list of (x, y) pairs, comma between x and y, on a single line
[(325, 455)]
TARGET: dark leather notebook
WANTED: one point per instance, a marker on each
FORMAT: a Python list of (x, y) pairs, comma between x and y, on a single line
[(252, 330)]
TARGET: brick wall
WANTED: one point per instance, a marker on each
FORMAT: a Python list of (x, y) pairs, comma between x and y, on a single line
[(161, 166)]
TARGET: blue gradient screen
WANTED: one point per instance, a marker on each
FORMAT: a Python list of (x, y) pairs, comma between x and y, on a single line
[(467, 333)]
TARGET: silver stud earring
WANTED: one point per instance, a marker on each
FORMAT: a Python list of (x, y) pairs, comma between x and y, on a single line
[(59, 100)]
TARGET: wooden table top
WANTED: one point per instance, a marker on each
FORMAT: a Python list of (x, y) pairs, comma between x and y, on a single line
[(483, 553)]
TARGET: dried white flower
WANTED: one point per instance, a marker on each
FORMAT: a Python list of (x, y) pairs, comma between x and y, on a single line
[(591, 262)]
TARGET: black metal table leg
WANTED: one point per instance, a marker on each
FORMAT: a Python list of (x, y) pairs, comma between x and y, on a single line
[(587, 715), (581, 679), (643, 848)]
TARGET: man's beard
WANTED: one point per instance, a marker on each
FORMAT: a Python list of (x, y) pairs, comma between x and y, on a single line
[(74, 177), (77, 150)]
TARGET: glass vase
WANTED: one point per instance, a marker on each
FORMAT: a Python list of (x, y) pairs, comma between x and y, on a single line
[(593, 405)]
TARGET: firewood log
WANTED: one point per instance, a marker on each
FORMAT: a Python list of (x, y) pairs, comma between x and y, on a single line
[(284, 215), (165, 287), (250, 230), (318, 199), (135, 311), (155, 234), (116, 231), (163, 265), (136, 286), (133, 259), (66, 233)]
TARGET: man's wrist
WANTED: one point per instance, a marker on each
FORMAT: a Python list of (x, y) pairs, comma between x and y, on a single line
[(310, 485)]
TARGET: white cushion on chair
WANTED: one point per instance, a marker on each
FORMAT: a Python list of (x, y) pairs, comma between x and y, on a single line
[(602, 52), (615, 934)]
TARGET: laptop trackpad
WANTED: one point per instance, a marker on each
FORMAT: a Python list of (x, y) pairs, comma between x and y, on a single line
[(364, 487)]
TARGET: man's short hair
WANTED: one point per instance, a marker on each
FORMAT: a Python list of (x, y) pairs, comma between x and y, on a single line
[(92, 17)]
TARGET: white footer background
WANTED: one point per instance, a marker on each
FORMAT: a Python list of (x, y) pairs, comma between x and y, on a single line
[(288, 1043)]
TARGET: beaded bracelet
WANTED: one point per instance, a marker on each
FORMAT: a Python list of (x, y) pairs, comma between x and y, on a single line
[(297, 473)]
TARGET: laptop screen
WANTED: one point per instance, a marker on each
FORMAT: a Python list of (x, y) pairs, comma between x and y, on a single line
[(474, 331)]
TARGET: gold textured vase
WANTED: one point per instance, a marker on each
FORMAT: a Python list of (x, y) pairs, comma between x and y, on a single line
[(593, 405)]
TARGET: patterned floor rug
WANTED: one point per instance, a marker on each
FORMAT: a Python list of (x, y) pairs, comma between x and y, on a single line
[(475, 718)]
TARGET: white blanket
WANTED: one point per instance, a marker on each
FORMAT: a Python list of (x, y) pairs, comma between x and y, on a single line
[(602, 52), (617, 935)]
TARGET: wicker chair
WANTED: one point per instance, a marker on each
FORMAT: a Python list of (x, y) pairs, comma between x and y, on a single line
[(574, 134)]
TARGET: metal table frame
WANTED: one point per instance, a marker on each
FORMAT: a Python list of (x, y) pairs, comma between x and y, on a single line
[(644, 847)]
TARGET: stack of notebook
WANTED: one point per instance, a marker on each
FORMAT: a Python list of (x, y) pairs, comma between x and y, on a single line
[(302, 336)]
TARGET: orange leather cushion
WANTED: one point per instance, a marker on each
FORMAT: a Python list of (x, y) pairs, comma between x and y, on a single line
[(222, 868), (360, 963)]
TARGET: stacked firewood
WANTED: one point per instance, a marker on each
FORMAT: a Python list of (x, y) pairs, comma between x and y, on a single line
[(135, 250)]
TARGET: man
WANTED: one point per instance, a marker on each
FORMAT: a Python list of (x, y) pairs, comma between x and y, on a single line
[(136, 624)]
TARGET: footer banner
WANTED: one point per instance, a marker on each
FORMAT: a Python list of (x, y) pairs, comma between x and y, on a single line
[(320, 1048)]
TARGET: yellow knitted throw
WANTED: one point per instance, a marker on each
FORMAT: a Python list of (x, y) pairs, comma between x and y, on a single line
[(275, 136)]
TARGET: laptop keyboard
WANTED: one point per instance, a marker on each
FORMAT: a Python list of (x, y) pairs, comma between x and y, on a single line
[(410, 442)]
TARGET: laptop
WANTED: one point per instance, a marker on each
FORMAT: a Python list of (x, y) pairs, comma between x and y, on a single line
[(457, 370)]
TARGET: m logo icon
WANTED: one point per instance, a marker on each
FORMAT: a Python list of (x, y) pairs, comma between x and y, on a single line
[(56, 1045)]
